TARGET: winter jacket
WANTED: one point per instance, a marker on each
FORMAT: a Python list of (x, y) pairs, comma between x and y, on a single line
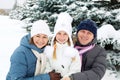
[(67, 61), (23, 62), (93, 65)]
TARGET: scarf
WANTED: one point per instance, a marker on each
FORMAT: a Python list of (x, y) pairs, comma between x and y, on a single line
[(41, 62), (82, 50)]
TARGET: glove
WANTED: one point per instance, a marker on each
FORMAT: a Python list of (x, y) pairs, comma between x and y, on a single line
[(54, 76)]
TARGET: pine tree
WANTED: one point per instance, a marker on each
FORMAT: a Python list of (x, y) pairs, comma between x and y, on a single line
[(33, 10), (48, 10)]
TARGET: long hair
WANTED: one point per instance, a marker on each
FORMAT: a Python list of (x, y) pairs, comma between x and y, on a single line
[(55, 46)]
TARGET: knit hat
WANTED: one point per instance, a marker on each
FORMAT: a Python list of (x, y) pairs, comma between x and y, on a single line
[(63, 23), (88, 25), (40, 26)]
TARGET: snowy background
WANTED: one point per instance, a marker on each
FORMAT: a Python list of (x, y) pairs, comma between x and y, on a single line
[(10, 34), (9, 4), (11, 30)]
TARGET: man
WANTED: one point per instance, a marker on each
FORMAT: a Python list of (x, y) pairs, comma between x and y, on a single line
[(93, 56)]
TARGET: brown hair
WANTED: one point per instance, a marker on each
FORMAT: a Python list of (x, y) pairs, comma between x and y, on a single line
[(31, 41)]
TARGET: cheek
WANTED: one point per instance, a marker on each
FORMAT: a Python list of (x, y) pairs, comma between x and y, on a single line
[(78, 36), (34, 40), (57, 37), (92, 37), (64, 37), (46, 41)]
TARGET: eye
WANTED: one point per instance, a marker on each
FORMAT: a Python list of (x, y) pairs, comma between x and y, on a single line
[(45, 37), (58, 33), (89, 33), (65, 34), (37, 35), (83, 31)]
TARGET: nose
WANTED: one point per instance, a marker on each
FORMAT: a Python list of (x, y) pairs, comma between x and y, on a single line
[(85, 34), (40, 39)]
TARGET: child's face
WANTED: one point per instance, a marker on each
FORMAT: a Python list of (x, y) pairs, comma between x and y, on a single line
[(62, 37), (40, 40)]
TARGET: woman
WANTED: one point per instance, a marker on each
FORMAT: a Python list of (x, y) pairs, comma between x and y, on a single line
[(25, 62)]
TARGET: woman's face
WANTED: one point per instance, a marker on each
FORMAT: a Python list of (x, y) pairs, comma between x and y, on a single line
[(85, 37), (40, 40), (62, 37)]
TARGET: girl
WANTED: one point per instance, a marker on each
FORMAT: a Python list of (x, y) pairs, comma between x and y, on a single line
[(63, 58)]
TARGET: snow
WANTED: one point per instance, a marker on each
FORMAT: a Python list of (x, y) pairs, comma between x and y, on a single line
[(109, 75), (5, 4), (9, 4), (20, 2), (100, 0), (108, 31), (11, 32)]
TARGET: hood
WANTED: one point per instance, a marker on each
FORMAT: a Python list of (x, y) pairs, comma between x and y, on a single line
[(63, 23), (25, 42)]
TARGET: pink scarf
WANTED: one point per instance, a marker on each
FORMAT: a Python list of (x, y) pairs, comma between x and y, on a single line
[(82, 50)]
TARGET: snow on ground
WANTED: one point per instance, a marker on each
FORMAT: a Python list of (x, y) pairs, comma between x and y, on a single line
[(109, 75), (10, 35)]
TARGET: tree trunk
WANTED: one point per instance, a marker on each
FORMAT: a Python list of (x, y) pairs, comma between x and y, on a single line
[(114, 2)]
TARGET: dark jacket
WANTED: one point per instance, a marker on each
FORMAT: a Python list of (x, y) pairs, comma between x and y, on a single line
[(23, 62), (93, 65)]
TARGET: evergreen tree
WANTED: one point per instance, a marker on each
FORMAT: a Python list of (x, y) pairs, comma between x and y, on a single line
[(48, 10), (33, 10)]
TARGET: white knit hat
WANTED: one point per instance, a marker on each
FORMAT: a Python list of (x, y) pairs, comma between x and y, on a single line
[(63, 23), (40, 26)]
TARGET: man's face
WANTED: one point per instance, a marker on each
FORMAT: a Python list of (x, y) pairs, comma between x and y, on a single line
[(85, 36)]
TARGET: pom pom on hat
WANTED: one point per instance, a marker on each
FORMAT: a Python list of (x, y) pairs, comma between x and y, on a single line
[(88, 25), (40, 26), (64, 22)]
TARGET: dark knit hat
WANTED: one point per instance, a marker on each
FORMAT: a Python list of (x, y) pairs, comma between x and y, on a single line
[(88, 25)]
